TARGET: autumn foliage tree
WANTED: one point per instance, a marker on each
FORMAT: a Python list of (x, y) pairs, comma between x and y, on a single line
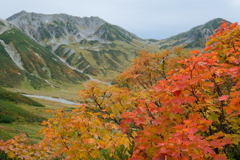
[(169, 105)]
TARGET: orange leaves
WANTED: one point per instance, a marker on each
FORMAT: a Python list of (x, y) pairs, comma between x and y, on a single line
[(195, 51), (233, 25), (237, 43), (160, 156), (89, 140), (167, 105), (18, 147), (193, 99), (219, 157), (83, 133), (207, 48)]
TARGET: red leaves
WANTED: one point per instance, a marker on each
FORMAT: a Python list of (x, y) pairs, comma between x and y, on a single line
[(177, 93), (177, 109), (219, 157), (170, 109), (223, 98), (139, 120), (160, 156)]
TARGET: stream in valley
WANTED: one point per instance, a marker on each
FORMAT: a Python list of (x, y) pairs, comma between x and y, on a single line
[(60, 100)]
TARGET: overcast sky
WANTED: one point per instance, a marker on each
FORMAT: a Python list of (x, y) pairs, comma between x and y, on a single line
[(157, 19)]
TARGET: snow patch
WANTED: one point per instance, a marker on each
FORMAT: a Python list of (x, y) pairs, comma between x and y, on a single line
[(44, 69), (70, 51), (37, 55), (53, 86), (54, 59), (4, 28)]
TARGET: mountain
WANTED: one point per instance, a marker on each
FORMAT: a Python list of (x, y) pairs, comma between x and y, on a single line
[(194, 38), (88, 44), (26, 62), (67, 29), (49, 50)]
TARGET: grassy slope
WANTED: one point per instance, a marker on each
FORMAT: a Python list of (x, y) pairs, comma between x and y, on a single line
[(10, 110), (10, 74), (46, 66), (27, 113), (14, 118), (106, 61)]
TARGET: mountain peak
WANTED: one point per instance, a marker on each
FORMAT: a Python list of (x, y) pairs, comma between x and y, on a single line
[(61, 27), (195, 37), (215, 23), (16, 15), (216, 19)]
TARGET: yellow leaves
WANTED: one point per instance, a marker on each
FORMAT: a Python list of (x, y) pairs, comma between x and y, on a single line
[(188, 114), (95, 153), (82, 134), (213, 116), (218, 80), (235, 139)]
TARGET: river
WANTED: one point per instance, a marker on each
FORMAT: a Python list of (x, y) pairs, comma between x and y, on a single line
[(60, 100)]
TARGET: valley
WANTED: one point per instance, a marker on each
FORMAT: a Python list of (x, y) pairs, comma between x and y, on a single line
[(52, 58)]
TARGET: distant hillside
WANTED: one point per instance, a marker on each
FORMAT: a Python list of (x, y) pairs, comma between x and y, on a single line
[(194, 38), (50, 50)]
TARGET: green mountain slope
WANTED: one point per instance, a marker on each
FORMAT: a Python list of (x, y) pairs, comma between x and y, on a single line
[(10, 111), (26, 61), (194, 38), (90, 44), (84, 48)]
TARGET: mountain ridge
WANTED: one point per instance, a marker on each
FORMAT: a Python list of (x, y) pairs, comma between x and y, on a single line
[(53, 49), (89, 44), (196, 37), (81, 27)]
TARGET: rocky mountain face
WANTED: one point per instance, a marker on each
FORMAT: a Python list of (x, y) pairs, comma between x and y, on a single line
[(194, 38), (25, 62), (65, 29), (49, 50), (88, 44)]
